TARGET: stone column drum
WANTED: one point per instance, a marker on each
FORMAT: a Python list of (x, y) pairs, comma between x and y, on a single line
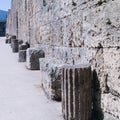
[(14, 44), (22, 52), (8, 39), (76, 92)]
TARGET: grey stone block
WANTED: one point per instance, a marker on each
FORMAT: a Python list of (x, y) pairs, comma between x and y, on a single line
[(23, 47), (14, 45), (22, 56), (6, 41), (22, 52), (32, 58), (9, 41), (51, 77), (13, 37), (20, 42)]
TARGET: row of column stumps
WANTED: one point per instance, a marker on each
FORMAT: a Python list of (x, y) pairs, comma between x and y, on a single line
[(76, 92), (26, 54), (76, 81)]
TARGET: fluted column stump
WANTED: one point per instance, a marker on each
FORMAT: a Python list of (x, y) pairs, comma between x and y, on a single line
[(76, 92)]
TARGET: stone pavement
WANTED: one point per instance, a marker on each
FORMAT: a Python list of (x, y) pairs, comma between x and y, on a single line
[(21, 97)]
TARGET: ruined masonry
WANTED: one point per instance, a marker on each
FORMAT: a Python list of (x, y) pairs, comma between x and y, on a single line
[(70, 33)]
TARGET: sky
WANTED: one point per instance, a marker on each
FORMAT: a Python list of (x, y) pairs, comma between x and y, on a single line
[(5, 4)]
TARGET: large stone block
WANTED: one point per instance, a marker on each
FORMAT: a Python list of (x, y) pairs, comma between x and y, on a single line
[(32, 58), (51, 77), (76, 92)]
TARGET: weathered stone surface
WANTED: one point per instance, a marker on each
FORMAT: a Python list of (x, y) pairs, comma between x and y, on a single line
[(77, 92), (13, 37), (22, 56), (114, 98), (14, 45), (80, 31), (22, 52), (32, 60), (23, 47), (51, 76), (20, 42), (6, 41), (9, 40)]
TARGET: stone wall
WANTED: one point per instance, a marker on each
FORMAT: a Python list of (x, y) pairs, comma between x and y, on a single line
[(76, 32)]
